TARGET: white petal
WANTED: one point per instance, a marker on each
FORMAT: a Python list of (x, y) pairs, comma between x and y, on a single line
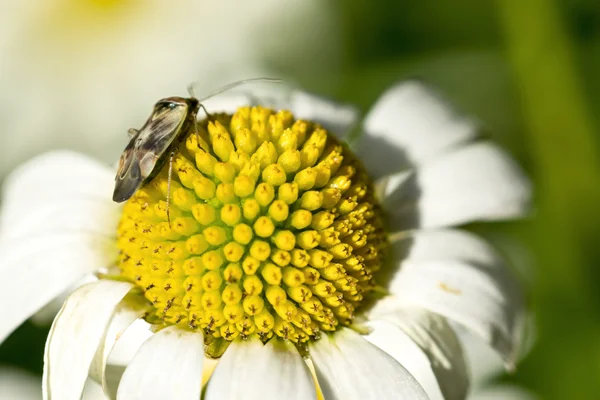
[(127, 312), (122, 353), (485, 363), (19, 385), (441, 356), (444, 244), (75, 336), (337, 118), (248, 370), (409, 125), (348, 367), (57, 225), (93, 391), (483, 297), (59, 191), (38, 269), (167, 366), (47, 313), (478, 182)]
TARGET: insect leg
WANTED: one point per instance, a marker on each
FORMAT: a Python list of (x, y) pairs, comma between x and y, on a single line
[(196, 123), (169, 187)]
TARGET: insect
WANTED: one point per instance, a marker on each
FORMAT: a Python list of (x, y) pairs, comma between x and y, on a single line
[(151, 146)]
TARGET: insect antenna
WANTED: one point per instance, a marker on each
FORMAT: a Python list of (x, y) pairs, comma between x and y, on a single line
[(230, 86)]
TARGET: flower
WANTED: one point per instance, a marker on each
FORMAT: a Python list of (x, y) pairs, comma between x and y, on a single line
[(77, 73), (282, 258)]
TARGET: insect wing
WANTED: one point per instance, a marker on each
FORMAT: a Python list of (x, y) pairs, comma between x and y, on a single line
[(147, 147)]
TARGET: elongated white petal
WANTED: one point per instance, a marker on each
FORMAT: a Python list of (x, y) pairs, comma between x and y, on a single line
[(93, 391), (410, 125), (483, 298), (441, 355), (478, 182), (47, 313), (391, 339), (75, 336), (468, 270), (337, 118), (348, 367), (445, 244), (249, 370), (57, 225), (60, 191), (167, 366), (38, 269), (127, 312)]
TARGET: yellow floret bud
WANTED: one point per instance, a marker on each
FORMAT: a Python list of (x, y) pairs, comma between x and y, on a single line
[(292, 277), (308, 239), (212, 259), (264, 194), (204, 213), (252, 285), (204, 188), (306, 178), (251, 208), (285, 240), (274, 174), (300, 219), (278, 210), (224, 172), (253, 305), (260, 250), (233, 273), (288, 192), (211, 280), (214, 235), (289, 161), (250, 265), (311, 200), (233, 313), (226, 193), (263, 227), (272, 274), (275, 295), (233, 251), (243, 186), (242, 233), (232, 294)]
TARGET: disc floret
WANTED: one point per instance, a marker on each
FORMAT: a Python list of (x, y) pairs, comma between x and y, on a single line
[(274, 230)]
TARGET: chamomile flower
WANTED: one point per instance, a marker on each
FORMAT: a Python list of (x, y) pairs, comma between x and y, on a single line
[(305, 268)]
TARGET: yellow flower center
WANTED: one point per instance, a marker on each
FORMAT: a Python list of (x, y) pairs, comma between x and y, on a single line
[(274, 230)]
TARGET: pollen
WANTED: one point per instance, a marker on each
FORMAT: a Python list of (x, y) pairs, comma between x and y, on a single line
[(274, 230)]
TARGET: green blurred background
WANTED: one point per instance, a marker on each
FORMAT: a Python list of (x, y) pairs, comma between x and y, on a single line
[(530, 71)]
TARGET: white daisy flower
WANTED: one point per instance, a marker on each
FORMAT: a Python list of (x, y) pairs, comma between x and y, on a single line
[(302, 271), (76, 73)]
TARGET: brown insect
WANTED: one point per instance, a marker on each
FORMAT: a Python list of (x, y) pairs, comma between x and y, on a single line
[(150, 146)]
